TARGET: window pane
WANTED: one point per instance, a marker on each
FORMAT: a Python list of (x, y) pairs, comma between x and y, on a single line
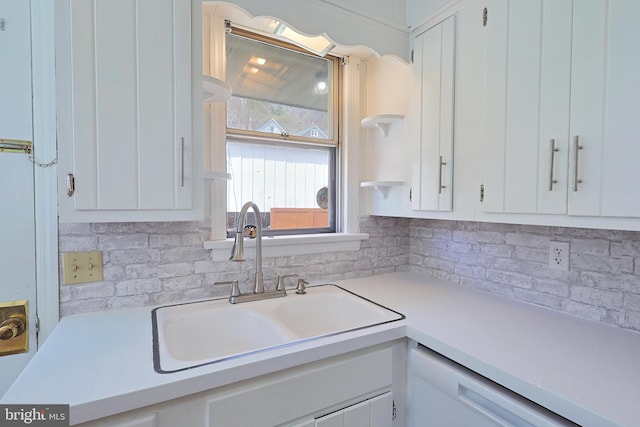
[(290, 184), (278, 90)]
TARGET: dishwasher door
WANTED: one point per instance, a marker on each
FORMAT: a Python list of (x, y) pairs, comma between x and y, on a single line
[(443, 393)]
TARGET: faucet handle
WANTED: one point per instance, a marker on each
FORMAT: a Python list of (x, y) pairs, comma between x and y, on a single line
[(280, 285), (235, 288), (302, 286)]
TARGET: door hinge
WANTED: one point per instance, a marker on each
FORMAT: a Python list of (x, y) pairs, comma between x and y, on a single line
[(412, 54), (71, 184), (485, 17), (394, 411), (37, 325), (482, 192)]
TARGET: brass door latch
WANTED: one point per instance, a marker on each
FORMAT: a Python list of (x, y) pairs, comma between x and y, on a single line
[(14, 328)]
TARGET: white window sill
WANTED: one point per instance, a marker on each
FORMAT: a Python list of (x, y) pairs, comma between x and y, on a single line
[(302, 244)]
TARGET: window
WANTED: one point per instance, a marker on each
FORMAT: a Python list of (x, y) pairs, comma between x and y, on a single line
[(282, 135)]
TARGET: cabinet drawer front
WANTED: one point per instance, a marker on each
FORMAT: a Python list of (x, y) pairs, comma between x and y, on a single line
[(303, 391)]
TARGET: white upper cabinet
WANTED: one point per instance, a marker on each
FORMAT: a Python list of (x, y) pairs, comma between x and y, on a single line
[(432, 117), (561, 88), (528, 72), (605, 104), (129, 110)]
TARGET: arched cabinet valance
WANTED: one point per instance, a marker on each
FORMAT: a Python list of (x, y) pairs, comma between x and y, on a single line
[(381, 27)]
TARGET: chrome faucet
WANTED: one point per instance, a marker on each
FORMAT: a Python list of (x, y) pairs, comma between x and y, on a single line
[(237, 254), (237, 251)]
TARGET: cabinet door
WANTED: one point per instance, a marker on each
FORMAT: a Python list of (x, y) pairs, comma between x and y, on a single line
[(605, 102), (433, 61), (587, 105), (374, 412), (528, 69), (125, 85), (382, 410), (358, 415)]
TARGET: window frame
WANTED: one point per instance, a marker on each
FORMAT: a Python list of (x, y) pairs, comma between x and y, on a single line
[(284, 139), (336, 95)]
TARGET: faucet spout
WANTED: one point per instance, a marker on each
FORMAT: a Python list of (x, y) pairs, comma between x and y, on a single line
[(237, 252)]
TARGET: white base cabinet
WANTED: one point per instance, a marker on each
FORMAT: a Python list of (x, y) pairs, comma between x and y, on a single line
[(354, 389)]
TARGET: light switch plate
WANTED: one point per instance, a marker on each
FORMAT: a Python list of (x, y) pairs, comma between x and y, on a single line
[(81, 267)]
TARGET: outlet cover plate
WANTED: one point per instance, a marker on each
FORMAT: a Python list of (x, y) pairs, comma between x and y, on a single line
[(559, 255), (81, 267)]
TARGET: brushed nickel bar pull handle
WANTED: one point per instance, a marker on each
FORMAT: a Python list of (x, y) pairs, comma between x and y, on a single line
[(576, 150), (440, 186), (554, 150), (182, 161)]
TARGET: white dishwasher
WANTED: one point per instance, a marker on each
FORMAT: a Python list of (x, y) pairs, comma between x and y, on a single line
[(443, 393)]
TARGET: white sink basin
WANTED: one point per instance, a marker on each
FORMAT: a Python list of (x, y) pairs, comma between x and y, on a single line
[(195, 334)]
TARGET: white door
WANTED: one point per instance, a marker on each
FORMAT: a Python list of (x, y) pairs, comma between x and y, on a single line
[(17, 231)]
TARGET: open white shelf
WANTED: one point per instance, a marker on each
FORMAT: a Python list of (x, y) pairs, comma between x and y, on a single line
[(382, 186), (381, 121), (213, 176), (215, 90)]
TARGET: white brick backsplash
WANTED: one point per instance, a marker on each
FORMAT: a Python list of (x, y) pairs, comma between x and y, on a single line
[(164, 263), (182, 253), (138, 287), (528, 240), (140, 271), (84, 306), (78, 244), (600, 263), (110, 242), (590, 246), (625, 247), (546, 300), (129, 301), (532, 254), (586, 311), (494, 288), (179, 283), (504, 251), (632, 320), (597, 297), (164, 241), (74, 229), (91, 290), (550, 287), (175, 270), (602, 284), (134, 256), (507, 278)]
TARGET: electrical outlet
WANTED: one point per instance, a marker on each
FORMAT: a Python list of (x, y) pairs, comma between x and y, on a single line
[(559, 255)]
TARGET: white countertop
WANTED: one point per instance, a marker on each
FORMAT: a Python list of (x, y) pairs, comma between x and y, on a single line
[(101, 363)]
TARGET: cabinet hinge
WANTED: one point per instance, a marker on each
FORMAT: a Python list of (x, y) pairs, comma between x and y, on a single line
[(71, 184), (394, 411), (412, 54), (485, 17), (482, 192)]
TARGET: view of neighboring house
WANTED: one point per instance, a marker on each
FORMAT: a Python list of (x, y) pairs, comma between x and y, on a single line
[(272, 126)]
